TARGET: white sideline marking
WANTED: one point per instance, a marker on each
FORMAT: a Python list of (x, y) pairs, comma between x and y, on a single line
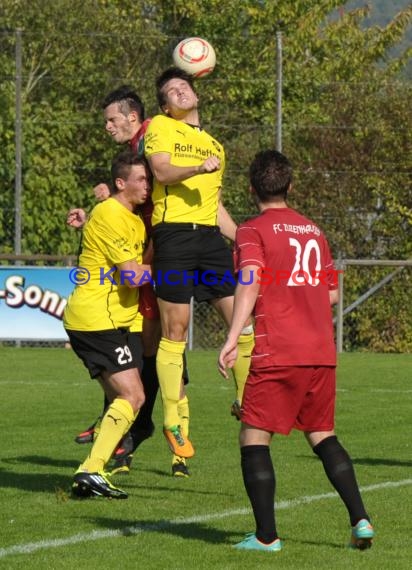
[(392, 391), (224, 387), (134, 530), (44, 383)]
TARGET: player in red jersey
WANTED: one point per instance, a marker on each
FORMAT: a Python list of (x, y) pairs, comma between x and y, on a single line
[(287, 279)]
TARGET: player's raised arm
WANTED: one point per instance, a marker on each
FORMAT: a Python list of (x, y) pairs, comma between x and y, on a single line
[(76, 218), (167, 173), (101, 191)]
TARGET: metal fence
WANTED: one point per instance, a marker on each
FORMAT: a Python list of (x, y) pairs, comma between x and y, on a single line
[(373, 313), (376, 314)]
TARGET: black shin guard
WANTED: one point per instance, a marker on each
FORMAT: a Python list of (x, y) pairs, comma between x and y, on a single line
[(339, 470), (259, 481)]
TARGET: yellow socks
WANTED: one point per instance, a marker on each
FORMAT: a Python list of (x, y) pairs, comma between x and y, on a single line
[(184, 419), (184, 416), (240, 369), (115, 423), (169, 365)]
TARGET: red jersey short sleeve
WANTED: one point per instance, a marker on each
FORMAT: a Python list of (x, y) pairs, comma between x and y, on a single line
[(293, 318)]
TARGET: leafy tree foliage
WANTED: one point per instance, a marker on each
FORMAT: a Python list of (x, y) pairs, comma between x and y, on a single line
[(73, 53), (346, 110)]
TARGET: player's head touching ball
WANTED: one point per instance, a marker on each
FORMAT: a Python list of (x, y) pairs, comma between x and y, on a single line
[(175, 82)]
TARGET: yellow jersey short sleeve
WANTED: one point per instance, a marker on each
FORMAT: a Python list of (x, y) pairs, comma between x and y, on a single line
[(137, 324), (195, 199), (112, 235)]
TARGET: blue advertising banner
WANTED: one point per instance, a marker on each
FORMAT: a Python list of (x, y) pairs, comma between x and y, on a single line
[(32, 301)]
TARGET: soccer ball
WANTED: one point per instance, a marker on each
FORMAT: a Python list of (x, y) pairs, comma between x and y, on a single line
[(195, 56)]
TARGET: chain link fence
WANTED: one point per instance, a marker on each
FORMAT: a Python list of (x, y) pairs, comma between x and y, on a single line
[(207, 330), (373, 313)]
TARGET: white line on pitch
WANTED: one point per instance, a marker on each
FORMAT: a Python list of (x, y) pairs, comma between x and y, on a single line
[(51, 383), (30, 547), (392, 391), (83, 384)]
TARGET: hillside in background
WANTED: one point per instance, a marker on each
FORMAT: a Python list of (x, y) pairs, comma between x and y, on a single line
[(382, 12)]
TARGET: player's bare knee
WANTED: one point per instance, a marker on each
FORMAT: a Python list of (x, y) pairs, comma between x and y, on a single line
[(177, 333)]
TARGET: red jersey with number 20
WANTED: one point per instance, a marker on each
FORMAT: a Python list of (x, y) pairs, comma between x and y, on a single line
[(293, 317)]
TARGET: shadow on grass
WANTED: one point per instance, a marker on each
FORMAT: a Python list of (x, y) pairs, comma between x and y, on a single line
[(42, 460), (370, 461), (381, 461), (36, 482), (316, 543), (196, 530), (73, 464), (61, 483), (191, 529)]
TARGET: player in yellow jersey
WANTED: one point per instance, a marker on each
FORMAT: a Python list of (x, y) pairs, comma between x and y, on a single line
[(124, 118), (191, 257), (101, 310)]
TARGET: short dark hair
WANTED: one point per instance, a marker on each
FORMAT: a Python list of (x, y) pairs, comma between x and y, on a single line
[(128, 100), (122, 165), (167, 75), (270, 175)]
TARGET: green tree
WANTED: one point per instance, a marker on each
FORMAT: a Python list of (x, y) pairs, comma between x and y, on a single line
[(69, 62), (346, 108)]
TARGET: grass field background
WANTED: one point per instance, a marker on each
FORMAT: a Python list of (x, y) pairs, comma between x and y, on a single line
[(167, 523)]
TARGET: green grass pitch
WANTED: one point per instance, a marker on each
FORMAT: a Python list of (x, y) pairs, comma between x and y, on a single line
[(184, 524)]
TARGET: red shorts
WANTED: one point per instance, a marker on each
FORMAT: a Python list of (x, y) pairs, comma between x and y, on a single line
[(281, 398), (148, 306)]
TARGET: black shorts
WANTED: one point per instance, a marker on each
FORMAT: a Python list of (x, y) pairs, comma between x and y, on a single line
[(191, 260), (111, 350)]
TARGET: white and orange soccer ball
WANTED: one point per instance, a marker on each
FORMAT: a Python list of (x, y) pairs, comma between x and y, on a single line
[(196, 56)]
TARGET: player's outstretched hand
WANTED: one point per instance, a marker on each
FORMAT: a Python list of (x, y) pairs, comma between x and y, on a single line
[(227, 357), (211, 164), (76, 218), (101, 192)]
